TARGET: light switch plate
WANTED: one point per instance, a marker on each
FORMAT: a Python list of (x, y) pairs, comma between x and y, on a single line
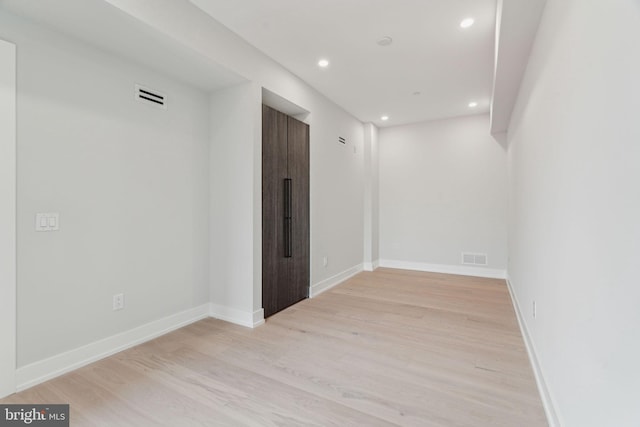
[(47, 221)]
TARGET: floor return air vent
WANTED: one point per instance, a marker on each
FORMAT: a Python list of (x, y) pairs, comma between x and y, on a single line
[(474, 259)]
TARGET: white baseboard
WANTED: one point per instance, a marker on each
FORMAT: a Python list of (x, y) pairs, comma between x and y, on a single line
[(329, 283), (239, 317), (547, 401), (462, 270), (371, 266), (258, 318), (44, 370)]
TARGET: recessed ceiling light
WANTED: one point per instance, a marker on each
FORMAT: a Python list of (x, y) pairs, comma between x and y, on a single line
[(384, 118), (385, 41), (473, 104), (467, 22), (323, 63)]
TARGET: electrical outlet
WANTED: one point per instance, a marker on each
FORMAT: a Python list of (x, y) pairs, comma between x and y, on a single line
[(534, 310), (325, 261), (118, 302)]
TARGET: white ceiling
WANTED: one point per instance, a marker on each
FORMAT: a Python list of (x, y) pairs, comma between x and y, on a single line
[(107, 27), (430, 53)]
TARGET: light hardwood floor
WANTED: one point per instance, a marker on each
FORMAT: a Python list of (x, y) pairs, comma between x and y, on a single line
[(391, 347)]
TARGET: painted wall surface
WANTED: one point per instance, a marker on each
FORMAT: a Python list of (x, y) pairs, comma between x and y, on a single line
[(7, 217), (574, 203), (371, 197), (235, 216), (337, 190), (124, 175), (443, 190), (337, 184), (129, 181), (375, 197)]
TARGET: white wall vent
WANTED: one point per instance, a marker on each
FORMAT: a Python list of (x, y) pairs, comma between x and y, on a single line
[(151, 97), (469, 258)]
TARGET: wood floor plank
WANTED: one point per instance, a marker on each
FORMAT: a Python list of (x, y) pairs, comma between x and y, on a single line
[(386, 348)]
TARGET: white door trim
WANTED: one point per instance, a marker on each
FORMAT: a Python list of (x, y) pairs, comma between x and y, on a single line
[(7, 218)]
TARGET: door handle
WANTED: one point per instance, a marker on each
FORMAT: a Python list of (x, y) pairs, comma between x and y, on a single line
[(287, 219)]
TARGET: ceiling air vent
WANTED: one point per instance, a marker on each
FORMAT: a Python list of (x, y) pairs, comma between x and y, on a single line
[(151, 97), (474, 259)]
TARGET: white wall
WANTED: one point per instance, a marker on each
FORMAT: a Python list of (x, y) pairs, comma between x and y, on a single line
[(236, 215), (130, 183), (337, 191), (337, 184), (7, 217), (123, 175), (371, 197), (574, 228), (443, 190)]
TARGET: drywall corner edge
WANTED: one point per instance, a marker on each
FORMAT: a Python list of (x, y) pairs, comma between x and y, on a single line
[(8, 235)]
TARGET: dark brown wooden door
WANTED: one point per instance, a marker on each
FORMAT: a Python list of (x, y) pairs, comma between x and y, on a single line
[(274, 171), (298, 150), (285, 211)]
